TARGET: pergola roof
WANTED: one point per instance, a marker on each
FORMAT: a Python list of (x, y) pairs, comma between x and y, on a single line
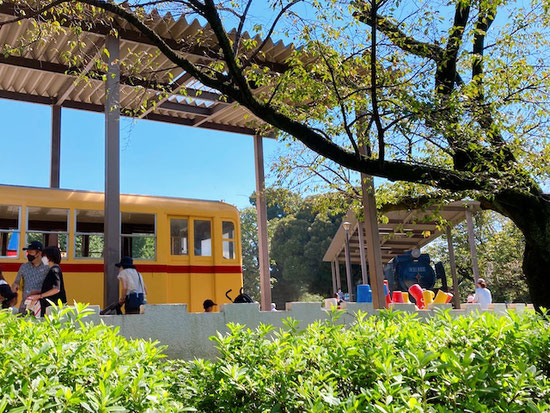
[(403, 231), (40, 74)]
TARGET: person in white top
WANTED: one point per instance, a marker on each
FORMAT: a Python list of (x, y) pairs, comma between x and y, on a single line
[(133, 291), (482, 295)]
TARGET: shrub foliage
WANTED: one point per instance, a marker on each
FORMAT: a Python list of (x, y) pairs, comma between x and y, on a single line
[(66, 365), (394, 362)]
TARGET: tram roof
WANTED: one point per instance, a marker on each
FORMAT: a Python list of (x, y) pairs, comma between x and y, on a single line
[(44, 195), (403, 231), (40, 74)]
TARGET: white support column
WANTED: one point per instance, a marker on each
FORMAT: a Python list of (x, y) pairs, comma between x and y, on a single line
[(472, 242), (362, 255), (456, 291), (261, 208), (338, 276), (55, 157), (112, 173), (333, 271), (349, 279)]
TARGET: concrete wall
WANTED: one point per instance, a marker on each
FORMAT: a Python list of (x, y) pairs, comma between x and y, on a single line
[(186, 335)]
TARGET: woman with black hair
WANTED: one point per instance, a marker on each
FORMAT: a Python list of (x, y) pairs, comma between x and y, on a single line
[(53, 288), (7, 296), (133, 291)]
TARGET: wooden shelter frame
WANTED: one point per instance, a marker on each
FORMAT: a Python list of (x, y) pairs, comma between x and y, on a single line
[(39, 75), (403, 231)]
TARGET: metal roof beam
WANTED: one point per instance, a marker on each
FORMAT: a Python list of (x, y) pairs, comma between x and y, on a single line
[(60, 69), (183, 107), (91, 107)]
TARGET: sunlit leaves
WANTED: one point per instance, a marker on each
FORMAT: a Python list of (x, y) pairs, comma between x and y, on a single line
[(389, 363), (67, 364)]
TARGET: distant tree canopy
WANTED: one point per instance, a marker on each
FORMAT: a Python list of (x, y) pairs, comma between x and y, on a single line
[(450, 96), (298, 238), (499, 246), (300, 231)]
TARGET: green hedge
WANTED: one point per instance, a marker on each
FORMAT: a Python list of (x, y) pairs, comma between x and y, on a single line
[(53, 366), (389, 363), (394, 362)]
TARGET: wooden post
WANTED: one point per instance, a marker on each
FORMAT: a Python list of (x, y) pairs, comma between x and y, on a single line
[(261, 208), (362, 255), (472, 242), (55, 156), (374, 254), (456, 292), (112, 173)]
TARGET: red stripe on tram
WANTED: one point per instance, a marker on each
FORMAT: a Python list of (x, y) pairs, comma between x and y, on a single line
[(172, 269)]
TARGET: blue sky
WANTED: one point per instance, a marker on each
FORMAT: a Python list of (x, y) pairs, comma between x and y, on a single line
[(155, 158)]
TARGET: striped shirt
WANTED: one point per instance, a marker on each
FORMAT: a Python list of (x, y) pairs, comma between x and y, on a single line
[(33, 278)]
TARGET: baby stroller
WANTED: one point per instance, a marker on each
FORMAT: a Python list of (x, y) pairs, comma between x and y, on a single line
[(113, 309), (241, 298)]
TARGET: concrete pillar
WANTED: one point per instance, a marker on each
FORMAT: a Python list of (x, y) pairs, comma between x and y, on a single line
[(55, 158), (456, 297), (472, 242), (261, 208), (112, 173)]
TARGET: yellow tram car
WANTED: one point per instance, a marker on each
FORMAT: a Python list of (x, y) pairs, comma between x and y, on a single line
[(187, 250)]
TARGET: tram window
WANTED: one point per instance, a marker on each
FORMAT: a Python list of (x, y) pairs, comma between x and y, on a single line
[(9, 230), (179, 236), (138, 237), (228, 240), (89, 238), (49, 226), (203, 238)]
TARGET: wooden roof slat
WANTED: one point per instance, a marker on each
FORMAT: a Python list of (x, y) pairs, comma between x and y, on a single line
[(405, 220), (40, 76)]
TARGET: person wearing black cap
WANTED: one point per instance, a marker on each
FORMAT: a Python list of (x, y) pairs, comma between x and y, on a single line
[(32, 273), (208, 306), (133, 289), (53, 287)]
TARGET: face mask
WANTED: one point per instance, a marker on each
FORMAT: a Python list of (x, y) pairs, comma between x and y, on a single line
[(45, 260), (31, 257)]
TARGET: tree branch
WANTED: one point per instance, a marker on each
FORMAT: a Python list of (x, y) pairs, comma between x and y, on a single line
[(240, 28), (446, 69), (373, 84), (34, 13), (397, 36), (270, 32), (392, 170), (484, 117), (405, 42), (341, 104)]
